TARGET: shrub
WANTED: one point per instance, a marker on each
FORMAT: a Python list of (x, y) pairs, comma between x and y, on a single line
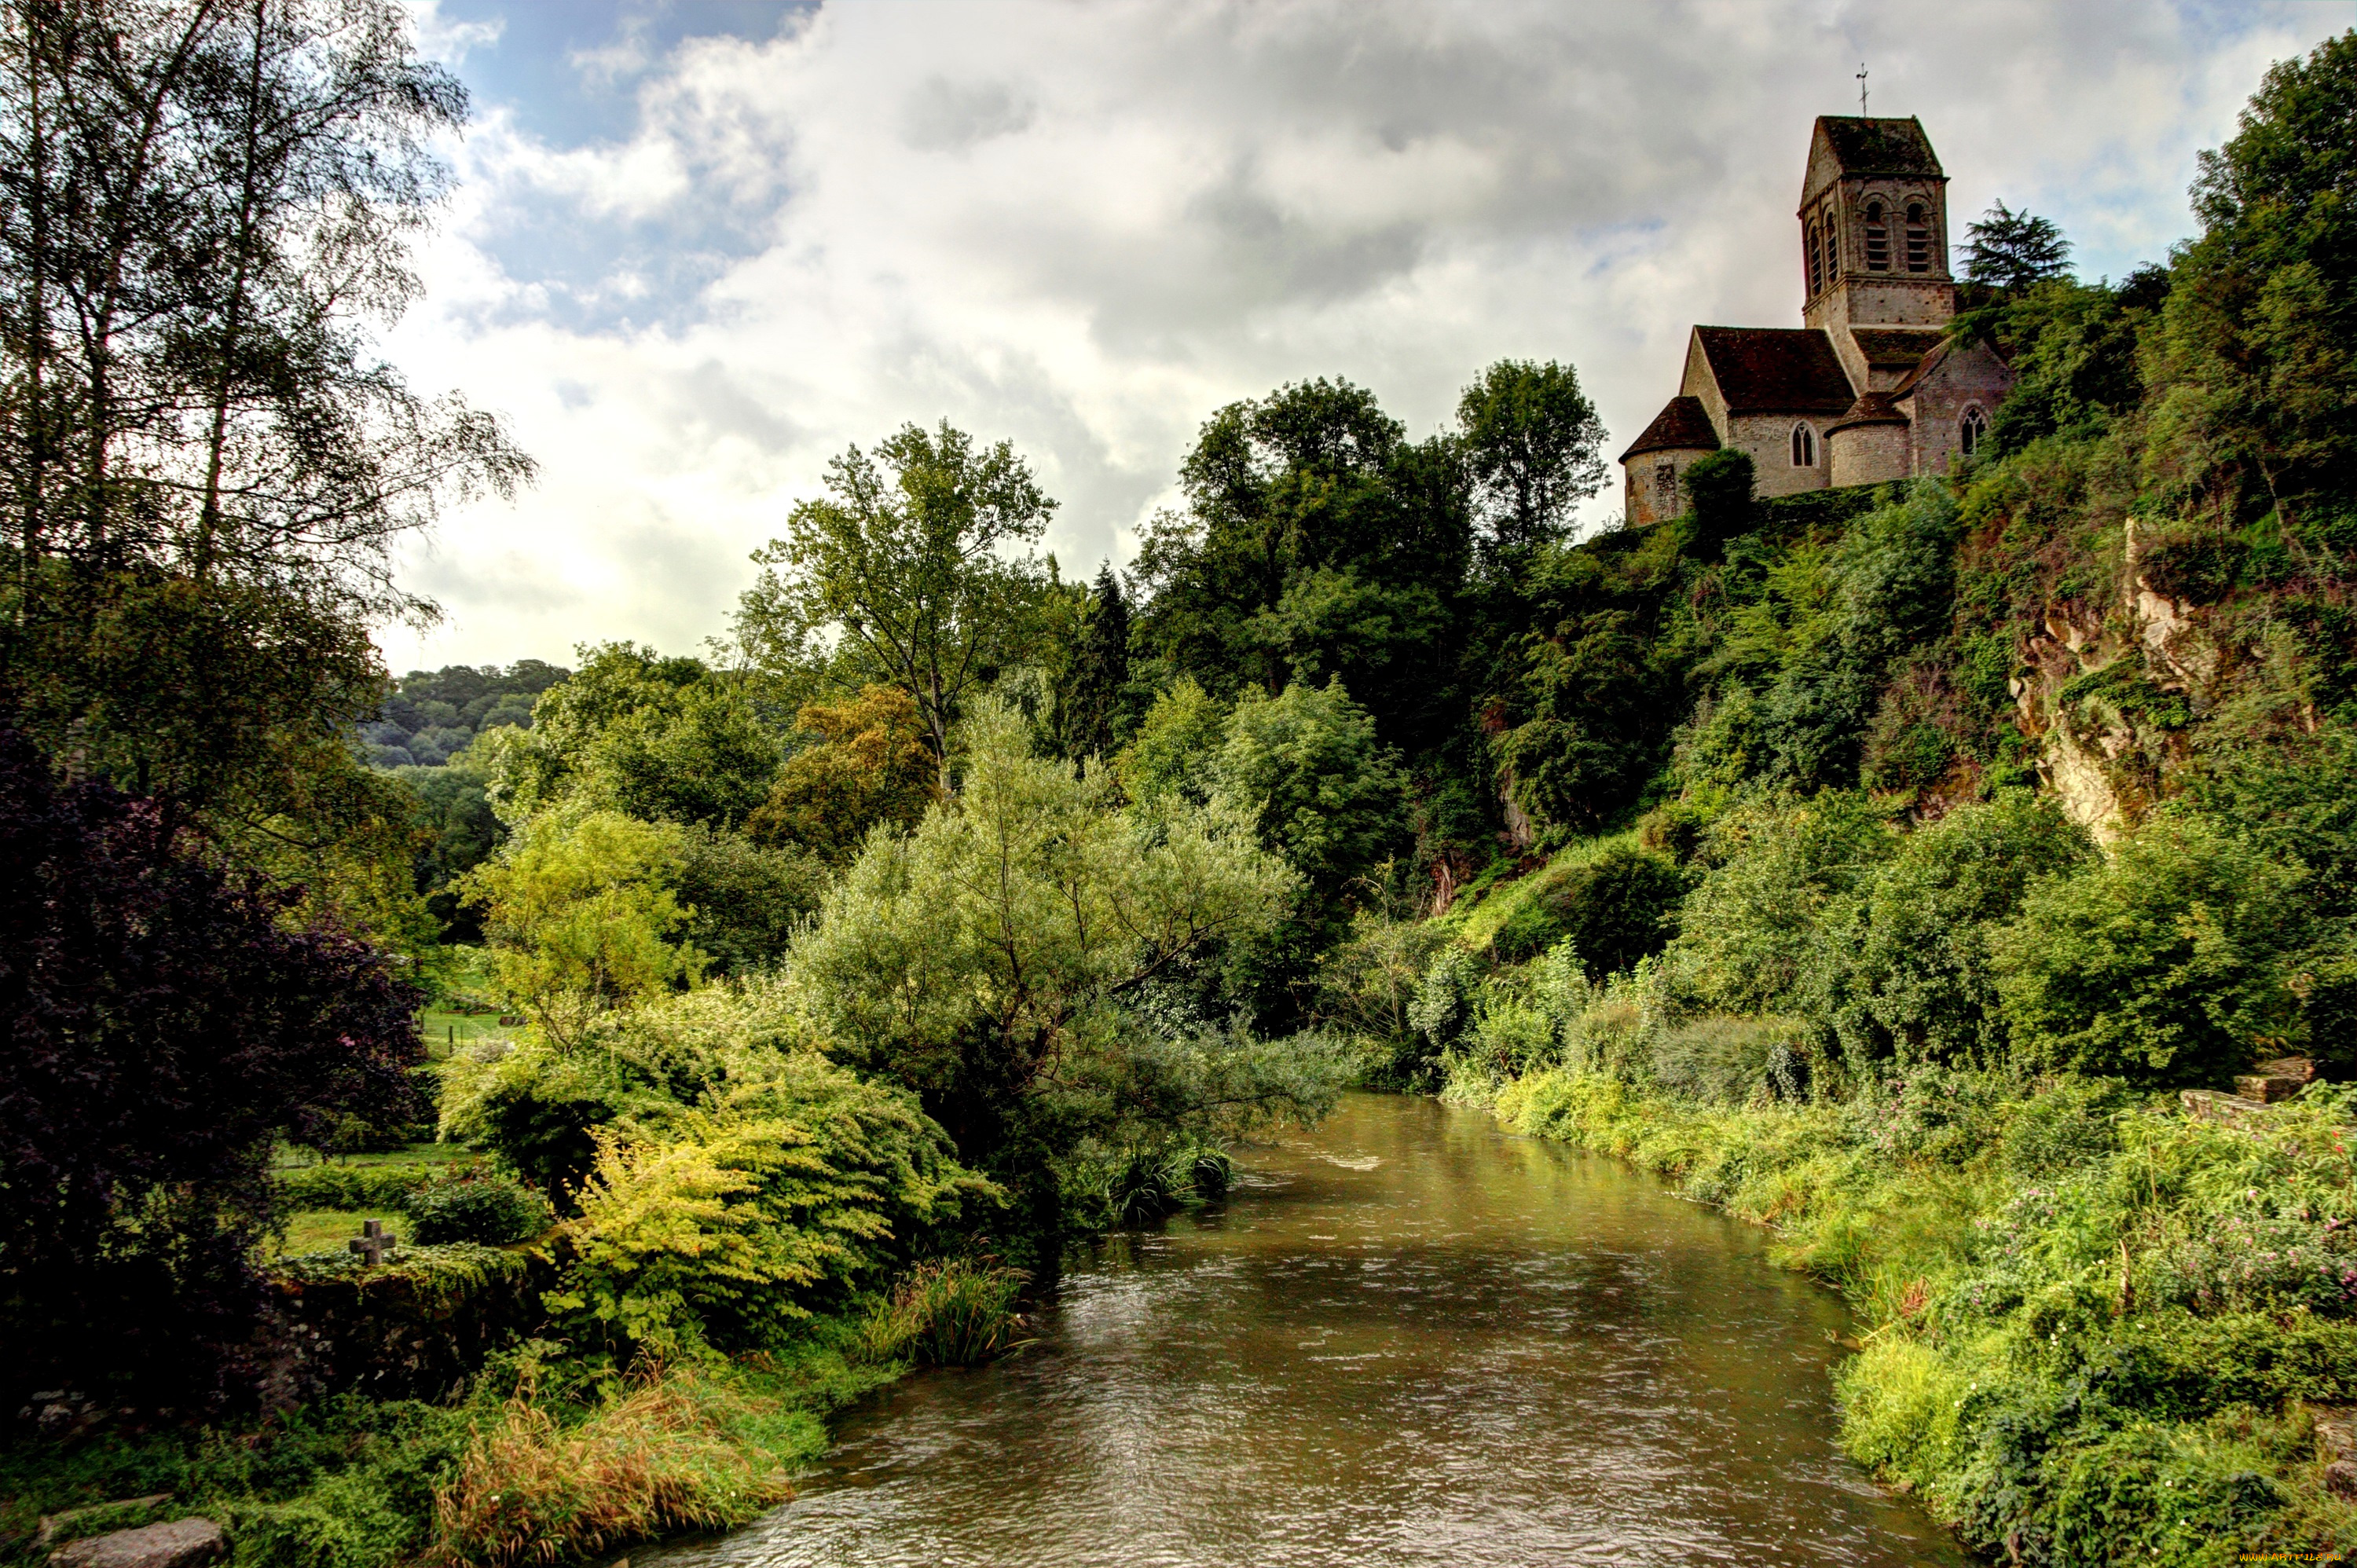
[(722, 1225), (1733, 1061), (1616, 909), (956, 1313), (345, 1187), (2160, 966), (482, 1208)]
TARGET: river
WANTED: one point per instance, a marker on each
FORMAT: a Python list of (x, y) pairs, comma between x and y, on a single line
[(1406, 1337)]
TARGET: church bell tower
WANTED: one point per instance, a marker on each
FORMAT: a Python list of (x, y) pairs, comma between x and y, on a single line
[(1873, 231)]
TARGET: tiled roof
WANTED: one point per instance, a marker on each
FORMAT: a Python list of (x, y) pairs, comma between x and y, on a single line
[(1924, 366), (1871, 408), (1681, 426), (1879, 146), (1778, 369), (1895, 347)]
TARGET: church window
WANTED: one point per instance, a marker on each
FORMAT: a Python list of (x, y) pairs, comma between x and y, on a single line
[(1829, 240), (1971, 431), (1811, 259), (1877, 240), (1919, 238), (1804, 446)]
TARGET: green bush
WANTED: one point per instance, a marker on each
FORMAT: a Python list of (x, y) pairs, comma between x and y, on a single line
[(483, 1209), (2162, 965), (346, 1187), (1617, 909)]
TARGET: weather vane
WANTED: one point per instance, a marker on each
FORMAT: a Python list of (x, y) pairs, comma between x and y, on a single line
[(1861, 89)]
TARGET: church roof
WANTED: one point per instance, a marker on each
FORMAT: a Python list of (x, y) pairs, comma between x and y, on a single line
[(1681, 426), (1871, 408), (1879, 146), (1895, 347), (1778, 369)]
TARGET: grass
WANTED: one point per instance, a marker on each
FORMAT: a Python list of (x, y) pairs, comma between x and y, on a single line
[(321, 1230), (446, 1030), (2095, 1328), (541, 1464), (956, 1313)]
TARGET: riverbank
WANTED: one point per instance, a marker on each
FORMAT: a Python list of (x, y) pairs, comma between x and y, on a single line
[(2099, 1329), (536, 1463)]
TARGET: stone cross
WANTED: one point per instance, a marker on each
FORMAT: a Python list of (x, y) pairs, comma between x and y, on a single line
[(373, 1243)]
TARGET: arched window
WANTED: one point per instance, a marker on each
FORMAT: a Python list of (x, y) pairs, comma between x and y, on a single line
[(1877, 240), (1812, 262), (1919, 238), (1829, 238), (1804, 446), (1971, 431)]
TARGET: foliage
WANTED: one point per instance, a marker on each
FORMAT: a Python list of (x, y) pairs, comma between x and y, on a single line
[(1615, 908), (209, 219), (1532, 448), (791, 1185), (1094, 710), (476, 1209), (632, 732), (168, 1022), (953, 1313), (1905, 972), (1175, 742), (583, 915), (903, 576), (744, 900), (1305, 765), (2159, 965), (871, 766), (431, 716), (1316, 540), (1011, 960), (2011, 250)]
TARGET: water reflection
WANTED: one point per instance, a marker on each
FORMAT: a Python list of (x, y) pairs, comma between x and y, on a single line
[(1407, 1338)]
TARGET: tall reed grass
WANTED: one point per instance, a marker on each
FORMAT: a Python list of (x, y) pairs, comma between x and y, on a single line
[(680, 1448), (955, 1313)]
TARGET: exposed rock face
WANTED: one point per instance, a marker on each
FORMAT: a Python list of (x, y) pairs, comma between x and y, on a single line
[(183, 1543), (2103, 762)]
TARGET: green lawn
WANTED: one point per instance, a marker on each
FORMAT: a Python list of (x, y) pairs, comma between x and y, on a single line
[(446, 1031)]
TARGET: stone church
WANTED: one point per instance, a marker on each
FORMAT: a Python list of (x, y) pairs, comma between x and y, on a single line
[(1869, 388)]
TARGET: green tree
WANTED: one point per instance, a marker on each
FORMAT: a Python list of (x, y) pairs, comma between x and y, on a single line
[(207, 462), (1317, 540), (1305, 765), (2013, 251), (905, 573), (2252, 366), (662, 739), (1089, 709), (991, 960), (1533, 444), (1171, 754), (583, 914)]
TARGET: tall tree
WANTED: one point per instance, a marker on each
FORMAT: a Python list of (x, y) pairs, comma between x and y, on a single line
[(2011, 250), (1089, 706), (907, 574), (208, 213), (1533, 442)]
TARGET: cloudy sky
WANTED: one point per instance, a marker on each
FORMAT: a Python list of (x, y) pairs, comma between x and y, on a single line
[(700, 247)]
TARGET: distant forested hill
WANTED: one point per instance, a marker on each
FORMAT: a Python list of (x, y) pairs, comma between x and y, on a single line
[(433, 713)]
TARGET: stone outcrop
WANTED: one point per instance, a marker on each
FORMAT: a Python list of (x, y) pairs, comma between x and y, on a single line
[(183, 1543)]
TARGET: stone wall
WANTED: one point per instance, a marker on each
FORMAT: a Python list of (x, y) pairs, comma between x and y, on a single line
[(413, 1326)]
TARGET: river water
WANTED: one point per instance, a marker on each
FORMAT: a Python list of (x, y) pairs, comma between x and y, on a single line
[(1406, 1337)]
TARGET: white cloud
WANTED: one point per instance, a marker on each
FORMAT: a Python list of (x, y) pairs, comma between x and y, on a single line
[(1085, 228)]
